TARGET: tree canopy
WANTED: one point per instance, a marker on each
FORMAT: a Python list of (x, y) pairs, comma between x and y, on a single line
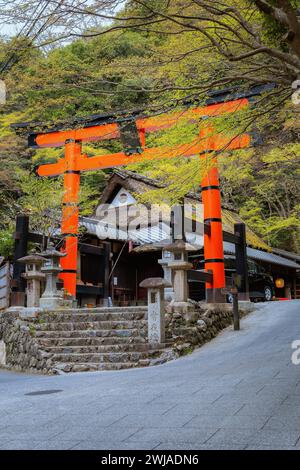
[(77, 58)]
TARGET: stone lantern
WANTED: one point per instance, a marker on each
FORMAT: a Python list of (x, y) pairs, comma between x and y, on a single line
[(52, 297), (156, 312), (180, 265), (166, 257), (33, 276)]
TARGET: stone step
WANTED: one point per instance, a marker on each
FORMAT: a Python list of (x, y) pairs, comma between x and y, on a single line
[(132, 356), (94, 325), (89, 341), (97, 310), (99, 339), (92, 317), (92, 349), (93, 367), (89, 333)]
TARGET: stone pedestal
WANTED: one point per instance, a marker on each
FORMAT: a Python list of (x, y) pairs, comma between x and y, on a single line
[(33, 276), (50, 301), (179, 266), (156, 313), (33, 290), (167, 256), (180, 269)]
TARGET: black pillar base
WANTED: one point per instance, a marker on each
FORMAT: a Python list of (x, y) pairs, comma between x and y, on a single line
[(215, 296)]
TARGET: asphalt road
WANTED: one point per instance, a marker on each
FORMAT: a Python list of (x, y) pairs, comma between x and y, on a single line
[(240, 391)]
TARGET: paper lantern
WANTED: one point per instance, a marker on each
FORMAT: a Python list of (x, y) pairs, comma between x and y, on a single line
[(279, 283)]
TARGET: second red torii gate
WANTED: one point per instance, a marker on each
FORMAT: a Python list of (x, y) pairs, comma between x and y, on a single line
[(75, 162)]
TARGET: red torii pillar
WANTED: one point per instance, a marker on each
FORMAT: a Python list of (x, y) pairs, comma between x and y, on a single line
[(70, 215), (213, 231), (213, 237)]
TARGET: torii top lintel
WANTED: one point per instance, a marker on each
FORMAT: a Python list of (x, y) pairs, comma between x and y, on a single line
[(148, 124), (103, 127), (214, 141)]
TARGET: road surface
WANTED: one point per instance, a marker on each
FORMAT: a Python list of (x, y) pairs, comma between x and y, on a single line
[(240, 391)]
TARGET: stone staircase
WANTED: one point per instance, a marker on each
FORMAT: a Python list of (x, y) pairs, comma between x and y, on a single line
[(95, 339)]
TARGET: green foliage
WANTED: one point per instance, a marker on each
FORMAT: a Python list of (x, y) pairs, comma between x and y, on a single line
[(265, 187), (6, 242), (154, 68), (32, 330), (41, 199), (177, 176), (182, 132)]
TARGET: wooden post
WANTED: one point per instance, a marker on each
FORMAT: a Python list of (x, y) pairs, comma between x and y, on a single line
[(233, 291), (21, 241), (235, 311), (241, 261), (106, 278)]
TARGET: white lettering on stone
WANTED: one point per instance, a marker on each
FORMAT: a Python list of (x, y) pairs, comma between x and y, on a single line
[(155, 316)]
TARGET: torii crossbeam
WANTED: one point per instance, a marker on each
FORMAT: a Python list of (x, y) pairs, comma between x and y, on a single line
[(75, 162)]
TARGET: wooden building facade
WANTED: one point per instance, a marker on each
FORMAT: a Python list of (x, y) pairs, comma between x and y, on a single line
[(112, 261)]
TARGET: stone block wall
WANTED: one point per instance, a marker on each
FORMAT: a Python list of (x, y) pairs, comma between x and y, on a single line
[(186, 331), (22, 352)]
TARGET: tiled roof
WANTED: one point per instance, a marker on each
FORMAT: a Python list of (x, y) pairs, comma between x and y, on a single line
[(264, 256), (138, 183), (152, 239)]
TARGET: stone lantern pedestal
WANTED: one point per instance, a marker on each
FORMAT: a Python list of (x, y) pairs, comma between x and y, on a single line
[(52, 298), (156, 312), (179, 265), (33, 276)]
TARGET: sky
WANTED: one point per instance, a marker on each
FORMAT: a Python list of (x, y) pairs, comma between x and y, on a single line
[(10, 30)]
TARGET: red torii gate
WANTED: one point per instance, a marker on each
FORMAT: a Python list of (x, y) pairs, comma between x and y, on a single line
[(75, 162)]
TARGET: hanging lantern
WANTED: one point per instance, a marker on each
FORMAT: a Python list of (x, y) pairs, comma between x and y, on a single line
[(130, 137), (279, 283)]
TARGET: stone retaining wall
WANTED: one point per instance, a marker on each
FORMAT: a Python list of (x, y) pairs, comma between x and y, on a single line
[(184, 332), (21, 350), (192, 329)]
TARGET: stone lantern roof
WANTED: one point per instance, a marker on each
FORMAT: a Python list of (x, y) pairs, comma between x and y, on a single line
[(180, 245), (32, 258), (51, 252), (155, 282)]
